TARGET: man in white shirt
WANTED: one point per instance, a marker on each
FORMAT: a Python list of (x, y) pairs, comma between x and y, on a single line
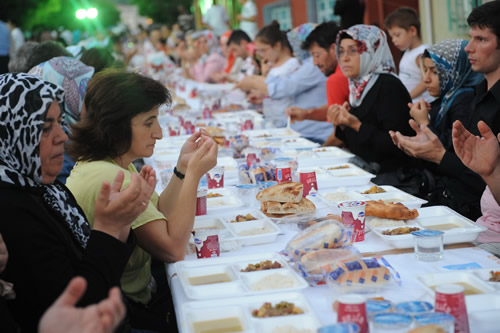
[(217, 19), (16, 37), (248, 18)]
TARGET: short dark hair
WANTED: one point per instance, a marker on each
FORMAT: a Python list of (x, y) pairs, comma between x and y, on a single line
[(404, 17), (19, 62), (98, 57), (271, 34), (324, 35), (46, 51), (237, 36), (486, 16), (113, 97)]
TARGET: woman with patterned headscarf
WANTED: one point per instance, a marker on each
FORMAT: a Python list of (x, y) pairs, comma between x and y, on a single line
[(448, 77), (378, 101), (73, 76), (48, 236)]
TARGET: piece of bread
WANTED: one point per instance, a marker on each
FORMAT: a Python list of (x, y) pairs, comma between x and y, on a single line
[(316, 238), (364, 271), (312, 261), (284, 192), (389, 210), (215, 131), (274, 207)]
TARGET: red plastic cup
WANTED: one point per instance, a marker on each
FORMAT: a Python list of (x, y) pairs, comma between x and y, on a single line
[(352, 309), (450, 298), (308, 179), (215, 177), (353, 213), (283, 174), (252, 159), (206, 243), (201, 202)]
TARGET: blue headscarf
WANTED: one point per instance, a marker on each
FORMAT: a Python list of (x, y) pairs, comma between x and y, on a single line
[(454, 72), (297, 36)]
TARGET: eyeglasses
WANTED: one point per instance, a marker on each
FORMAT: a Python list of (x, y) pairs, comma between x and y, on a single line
[(352, 51)]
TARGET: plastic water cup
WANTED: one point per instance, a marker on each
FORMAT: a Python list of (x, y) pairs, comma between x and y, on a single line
[(428, 245)]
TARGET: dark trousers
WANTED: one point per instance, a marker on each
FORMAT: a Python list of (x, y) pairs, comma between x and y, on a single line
[(4, 64)]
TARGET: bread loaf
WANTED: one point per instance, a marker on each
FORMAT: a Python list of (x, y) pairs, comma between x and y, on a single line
[(389, 210), (311, 262), (284, 192), (274, 207), (360, 272), (316, 238)]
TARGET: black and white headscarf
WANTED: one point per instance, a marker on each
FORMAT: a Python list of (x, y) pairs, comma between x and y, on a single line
[(24, 103)]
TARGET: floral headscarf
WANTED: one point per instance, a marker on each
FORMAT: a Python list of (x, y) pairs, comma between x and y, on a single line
[(375, 59), (73, 76), (24, 103), (297, 36), (209, 35), (454, 72)]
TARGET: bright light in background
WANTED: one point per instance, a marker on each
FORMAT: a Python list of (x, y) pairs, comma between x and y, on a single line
[(92, 13), (81, 14)]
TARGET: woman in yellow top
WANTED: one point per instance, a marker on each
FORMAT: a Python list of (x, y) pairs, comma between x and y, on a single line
[(120, 125)]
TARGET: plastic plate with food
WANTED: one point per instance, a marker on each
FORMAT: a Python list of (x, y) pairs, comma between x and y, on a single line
[(234, 277), (456, 228), (284, 312), (472, 284), (221, 199)]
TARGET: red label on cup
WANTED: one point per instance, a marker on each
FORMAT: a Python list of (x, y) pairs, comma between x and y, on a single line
[(353, 312), (353, 213), (215, 178), (207, 246), (283, 174), (308, 179), (252, 159), (201, 203), (207, 113), (451, 299)]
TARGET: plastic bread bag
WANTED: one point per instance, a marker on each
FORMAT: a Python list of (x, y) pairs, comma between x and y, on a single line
[(303, 221), (328, 234), (366, 275), (238, 142), (310, 263)]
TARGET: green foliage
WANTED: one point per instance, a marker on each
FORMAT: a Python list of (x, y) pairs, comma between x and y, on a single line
[(53, 14), (161, 11)]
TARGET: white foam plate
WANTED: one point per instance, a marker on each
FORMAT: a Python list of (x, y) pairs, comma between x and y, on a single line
[(484, 274), (242, 308), (229, 200), (466, 232), (241, 283), (274, 132), (430, 280)]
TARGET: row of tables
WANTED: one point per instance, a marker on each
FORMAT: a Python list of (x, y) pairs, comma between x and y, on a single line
[(484, 310)]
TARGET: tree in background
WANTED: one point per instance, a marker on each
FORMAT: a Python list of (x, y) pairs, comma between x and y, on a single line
[(161, 11), (52, 14)]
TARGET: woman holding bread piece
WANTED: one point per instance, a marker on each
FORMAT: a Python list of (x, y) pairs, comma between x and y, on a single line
[(47, 234), (378, 101), (119, 126)]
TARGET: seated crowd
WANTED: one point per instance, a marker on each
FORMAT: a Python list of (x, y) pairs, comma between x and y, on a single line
[(75, 119)]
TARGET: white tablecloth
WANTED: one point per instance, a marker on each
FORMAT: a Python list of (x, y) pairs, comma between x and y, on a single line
[(321, 297)]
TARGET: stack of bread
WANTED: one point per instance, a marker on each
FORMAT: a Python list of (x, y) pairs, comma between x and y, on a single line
[(284, 199)]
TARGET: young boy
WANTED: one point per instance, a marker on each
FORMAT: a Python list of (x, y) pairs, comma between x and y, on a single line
[(403, 26)]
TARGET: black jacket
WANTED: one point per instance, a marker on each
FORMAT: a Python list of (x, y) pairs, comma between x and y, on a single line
[(44, 256)]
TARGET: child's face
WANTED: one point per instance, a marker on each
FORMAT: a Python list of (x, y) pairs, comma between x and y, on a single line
[(401, 38), (431, 78)]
